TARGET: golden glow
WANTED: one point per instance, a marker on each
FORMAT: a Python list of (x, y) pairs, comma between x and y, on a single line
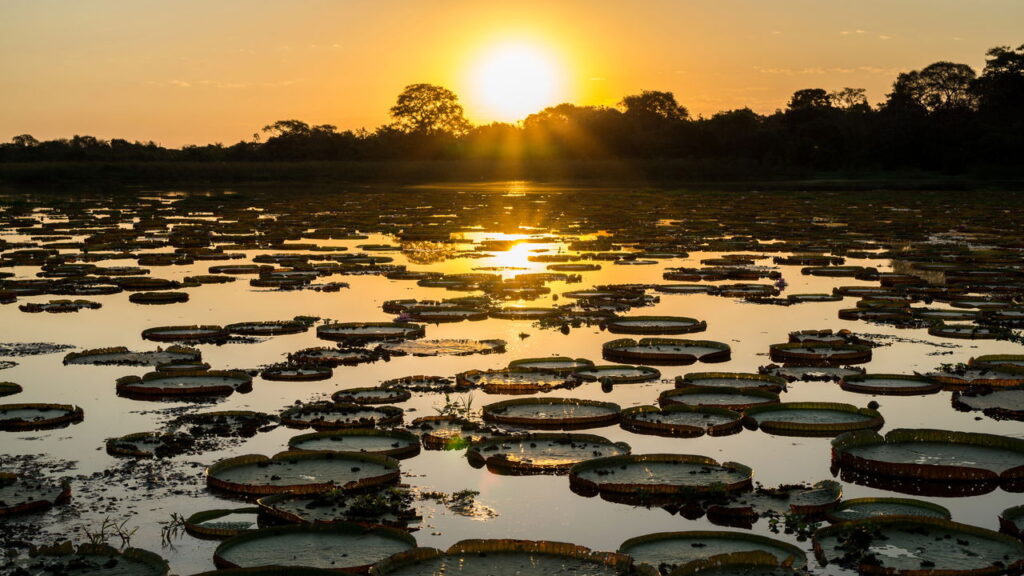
[(514, 80)]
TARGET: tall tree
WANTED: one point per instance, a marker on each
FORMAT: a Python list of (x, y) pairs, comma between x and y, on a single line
[(654, 104), (941, 86), (430, 110)]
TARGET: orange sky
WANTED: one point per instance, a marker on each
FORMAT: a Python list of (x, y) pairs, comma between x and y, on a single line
[(205, 71)]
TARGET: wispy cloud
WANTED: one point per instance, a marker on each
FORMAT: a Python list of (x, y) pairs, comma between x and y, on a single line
[(222, 85), (817, 71)]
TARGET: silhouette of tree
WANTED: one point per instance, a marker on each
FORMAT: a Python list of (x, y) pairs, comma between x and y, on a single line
[(24, 141), (809, 99), (654, 104), (850, 99), (429, 110), (939, 86)]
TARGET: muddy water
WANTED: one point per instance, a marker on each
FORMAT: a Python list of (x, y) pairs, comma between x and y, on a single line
[(540, 507)]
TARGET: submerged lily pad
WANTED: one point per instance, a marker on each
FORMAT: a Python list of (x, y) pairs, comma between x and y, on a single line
[(681, 421), (268, 328), (297, 373), (658, 475), (812, 418), (558, 413), (301, 473), (150, 444), (37, 416), (1000, 404), (504, 558), (420, 383), (91, 559), (227, 423), (930, 545), (665, 351), (860, 508), (394, 443), (20, 495), (324, 356), (667, 550), (449, 432), (541, 453), (795, 499), (341, 546)]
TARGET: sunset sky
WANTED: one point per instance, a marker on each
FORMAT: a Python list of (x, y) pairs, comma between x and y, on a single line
[(192, 71)]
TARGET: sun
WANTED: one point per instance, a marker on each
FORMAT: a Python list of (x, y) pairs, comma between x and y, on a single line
[(513, 81)]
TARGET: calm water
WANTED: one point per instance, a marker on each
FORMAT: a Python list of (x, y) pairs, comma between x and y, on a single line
[(534, 507)]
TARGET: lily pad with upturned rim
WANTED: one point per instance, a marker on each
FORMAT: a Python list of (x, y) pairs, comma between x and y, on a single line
[(187, 383), (513, 381), (388, 506), (370, 395), (353, 332), (394, 443), (829, 354), (557, 413), (38, 416), (301, 473), (859, 508), (890, 384), (542, 453), (727, 398), (681, 421), (555, 364), (617, 374), (221, 523), (811, 418), (732, 380), (656, 325), (185, 333), (672, 549), (658, 475), (665, 351), (329, 415)]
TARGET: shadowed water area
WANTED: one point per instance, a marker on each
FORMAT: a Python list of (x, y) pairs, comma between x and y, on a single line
[(345, 254)]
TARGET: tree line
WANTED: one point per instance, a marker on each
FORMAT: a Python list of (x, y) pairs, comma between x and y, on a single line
[(944, 117)]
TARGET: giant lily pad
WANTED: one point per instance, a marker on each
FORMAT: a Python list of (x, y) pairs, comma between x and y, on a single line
[(976, 461), (811, 418), (324, 356), (20, 417), (504, 558), (513, 381), (389, 506), (898, 545), (541, 453), (558, 413), (394, 443), (681, 421), (297, 373), (342, 546), (820, 353), (1011, 521), (91, 559), (221, 523), (356, 332), (268, 328), (371, 395), (732, 380), (890, 384), (860, 508), (999, 404), (658, 475), (227, 423), (122, 356), (665, 351), (666, 550), (449, 347), (556, 364), (301, 473), (656, 325), (727, 398), (329, 415), (797, 499), (617, 374), (150, 444), (448, 432), (198, 383), (421, 383), (185, 333)]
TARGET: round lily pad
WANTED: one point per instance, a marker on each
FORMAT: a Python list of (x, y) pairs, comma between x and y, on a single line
[(268, 328), (860, 508), (989, 360), (672, 549), (967, 331), (342, 547), (394, 443), (1000, 404), (658, 474), (354, 332), (227, 423), (890, 384), (727, 398), (222, 523), (297, 373), (329, 415), (542, 453), (802, 298), (924, 545), (811, 418), (36, 416), (732, 380), (797, 499), (371, 395), (1011, 521), (820, 353), (449, 347), (388, 506), (656, 325), (158, 297), (325, 356), (794, 372), (20, 495), (665, 351), (524, 313), (681, 421), (438, 314), (617, 374), (9, 388), (504, 558), (185, 333), (556, 364), (198, 383), (558, 413), (513, 381), (983, 461), (420, 383), (301, 473)]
